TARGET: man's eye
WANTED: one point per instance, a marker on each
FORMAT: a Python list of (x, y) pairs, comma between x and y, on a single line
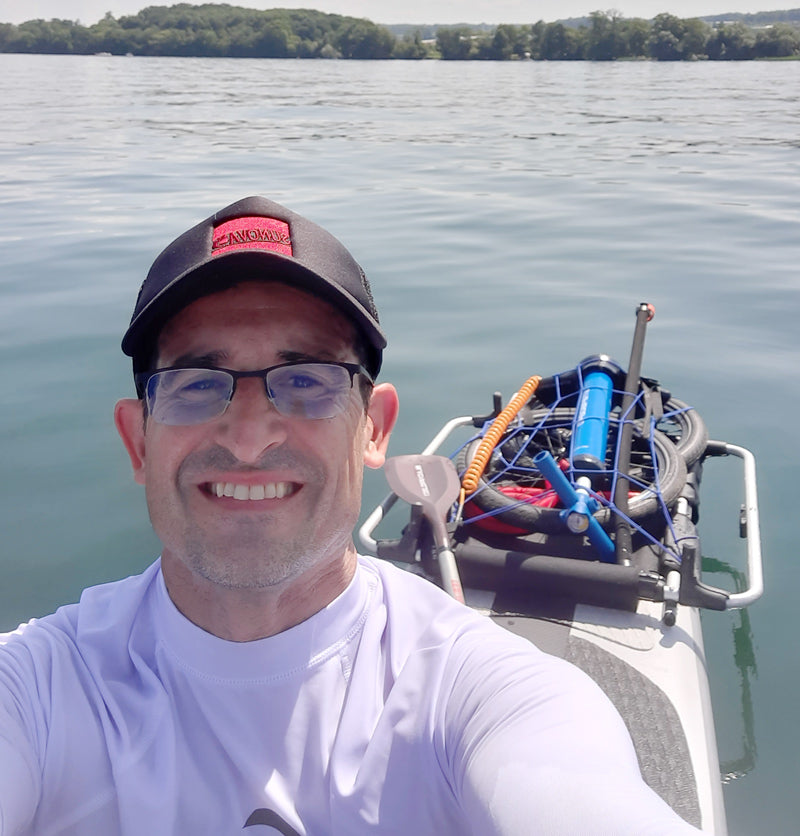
[(201, 385), (304, 381)]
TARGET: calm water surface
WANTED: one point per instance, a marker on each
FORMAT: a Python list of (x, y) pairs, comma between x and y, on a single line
[(511, 216)]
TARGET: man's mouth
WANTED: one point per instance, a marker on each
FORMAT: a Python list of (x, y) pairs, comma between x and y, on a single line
[(271, 490)]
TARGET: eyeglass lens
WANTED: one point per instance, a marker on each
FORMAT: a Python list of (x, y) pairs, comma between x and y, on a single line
[(192, 396)]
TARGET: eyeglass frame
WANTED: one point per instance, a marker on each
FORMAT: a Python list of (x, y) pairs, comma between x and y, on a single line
[(143, 378)]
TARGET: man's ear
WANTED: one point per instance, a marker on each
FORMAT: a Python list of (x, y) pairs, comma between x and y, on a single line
[(381, 416), (129, 419)]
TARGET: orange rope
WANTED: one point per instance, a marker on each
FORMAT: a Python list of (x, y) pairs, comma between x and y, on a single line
[(471, 478)]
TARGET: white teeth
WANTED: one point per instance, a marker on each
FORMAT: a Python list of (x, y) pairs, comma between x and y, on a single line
[(272, 490)]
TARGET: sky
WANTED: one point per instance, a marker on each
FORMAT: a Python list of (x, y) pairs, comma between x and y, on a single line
[(409, 11)]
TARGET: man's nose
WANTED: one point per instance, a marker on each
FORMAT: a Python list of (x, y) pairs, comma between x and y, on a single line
[(251, 424)]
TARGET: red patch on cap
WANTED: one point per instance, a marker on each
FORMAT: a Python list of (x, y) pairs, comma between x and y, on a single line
[(255, 233)]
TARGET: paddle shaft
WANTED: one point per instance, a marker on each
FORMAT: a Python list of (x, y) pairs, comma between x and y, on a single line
[(451, 580), (644, 313)]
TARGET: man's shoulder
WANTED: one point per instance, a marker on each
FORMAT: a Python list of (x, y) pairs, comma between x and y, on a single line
[(100, 612), (404, 588), (464, 655), (418, 607)]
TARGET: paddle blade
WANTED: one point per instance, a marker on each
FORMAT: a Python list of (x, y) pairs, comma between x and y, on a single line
[(429, 481)]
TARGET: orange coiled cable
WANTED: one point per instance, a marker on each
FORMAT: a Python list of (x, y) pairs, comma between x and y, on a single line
[(472, 475)]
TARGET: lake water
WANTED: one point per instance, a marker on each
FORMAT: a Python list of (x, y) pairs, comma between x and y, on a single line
[(511, 216)]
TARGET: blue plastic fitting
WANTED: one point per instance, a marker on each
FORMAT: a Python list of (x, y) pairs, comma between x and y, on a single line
[(575, 504)]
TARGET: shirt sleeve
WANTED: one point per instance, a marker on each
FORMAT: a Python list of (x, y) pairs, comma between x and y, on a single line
[(20, 778), (18, 791), (537, 748)]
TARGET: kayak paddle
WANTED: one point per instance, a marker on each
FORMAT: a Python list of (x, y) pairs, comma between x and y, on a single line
[(432, 483)]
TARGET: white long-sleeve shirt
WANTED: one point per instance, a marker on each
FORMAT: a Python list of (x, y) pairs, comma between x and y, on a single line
[(395, 710)]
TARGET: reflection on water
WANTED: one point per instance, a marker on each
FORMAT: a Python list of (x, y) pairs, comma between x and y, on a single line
[(744, 659)]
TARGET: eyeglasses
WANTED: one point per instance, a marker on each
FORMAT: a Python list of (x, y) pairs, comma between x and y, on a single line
[(180, 396)]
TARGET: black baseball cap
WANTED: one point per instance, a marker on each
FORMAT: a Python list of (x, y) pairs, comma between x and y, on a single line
[(252, 239)]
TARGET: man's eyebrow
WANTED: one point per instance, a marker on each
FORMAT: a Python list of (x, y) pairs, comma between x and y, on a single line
[(303, 356), (207, 359), (212, 359)]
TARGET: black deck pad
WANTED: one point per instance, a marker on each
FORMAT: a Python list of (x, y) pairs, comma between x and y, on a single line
[(652, 721)]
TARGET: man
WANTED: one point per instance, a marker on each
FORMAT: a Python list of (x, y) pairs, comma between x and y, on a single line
[(260, 673)]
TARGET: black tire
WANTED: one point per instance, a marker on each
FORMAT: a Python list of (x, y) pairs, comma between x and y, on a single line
[(685, 428)]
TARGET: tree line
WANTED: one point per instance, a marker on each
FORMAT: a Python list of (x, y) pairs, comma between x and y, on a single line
[(210, 30), (609, 36), (221, 30)]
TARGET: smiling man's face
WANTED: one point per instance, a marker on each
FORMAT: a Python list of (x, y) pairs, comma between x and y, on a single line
[(255, 499)]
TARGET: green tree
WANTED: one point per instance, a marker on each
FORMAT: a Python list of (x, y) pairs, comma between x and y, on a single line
[(636, 32), (411, 46), (510, 41), (109, 36), (665, 39), (562, 43), (536, 39), (732, 42), (500, 46), (505, 43), (695, 37), (364, 39), (664, 46), (8, 33), (455, 43), (55, 37), (606, 39), (521, 41), (275, 40), (779, 41), (675, 39)]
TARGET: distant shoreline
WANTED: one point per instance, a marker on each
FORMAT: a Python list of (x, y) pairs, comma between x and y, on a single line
[(223, 31)]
